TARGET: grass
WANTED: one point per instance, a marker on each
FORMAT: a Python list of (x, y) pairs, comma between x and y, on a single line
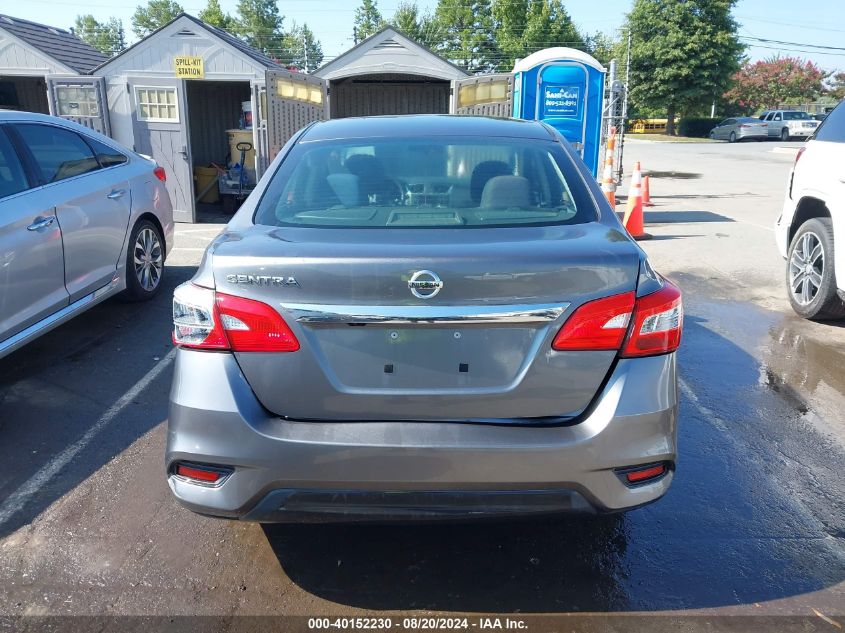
[(668, 139)]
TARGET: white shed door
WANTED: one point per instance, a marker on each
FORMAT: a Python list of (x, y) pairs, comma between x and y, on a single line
[(80, 99), (293, 101), (160, 125), (486, 95)]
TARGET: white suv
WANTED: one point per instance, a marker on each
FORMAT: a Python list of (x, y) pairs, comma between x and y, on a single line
[(788, 124), (813, 220)]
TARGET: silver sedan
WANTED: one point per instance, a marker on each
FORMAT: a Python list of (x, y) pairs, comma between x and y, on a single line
[(740, 128), (81, 219)]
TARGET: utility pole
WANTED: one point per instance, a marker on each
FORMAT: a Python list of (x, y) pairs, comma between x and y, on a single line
[(305, 51), (624, 107)]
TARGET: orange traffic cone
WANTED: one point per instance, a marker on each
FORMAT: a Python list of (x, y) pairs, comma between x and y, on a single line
[(608, 184), (646, 198), (633, 219)]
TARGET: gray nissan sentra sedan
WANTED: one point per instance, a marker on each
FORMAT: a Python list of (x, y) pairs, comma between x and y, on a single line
[(423, 317)]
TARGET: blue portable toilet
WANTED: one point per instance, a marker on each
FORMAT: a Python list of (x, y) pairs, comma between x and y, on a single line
[(563, 87)]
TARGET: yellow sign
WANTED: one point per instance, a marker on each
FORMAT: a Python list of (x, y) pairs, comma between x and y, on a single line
[(187, 67)]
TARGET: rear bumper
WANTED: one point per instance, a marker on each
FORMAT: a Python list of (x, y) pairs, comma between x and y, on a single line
[(293, 471), (801, 132)]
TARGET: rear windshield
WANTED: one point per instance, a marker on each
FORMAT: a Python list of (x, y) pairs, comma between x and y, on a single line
[(426, 183), (796, 116)]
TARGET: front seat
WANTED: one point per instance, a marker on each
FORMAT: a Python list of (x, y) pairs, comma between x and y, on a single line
[(506, 192), (482, 173), (372, 179)]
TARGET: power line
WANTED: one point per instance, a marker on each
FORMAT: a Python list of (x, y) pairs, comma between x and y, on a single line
[(768, 41), (800, 25)]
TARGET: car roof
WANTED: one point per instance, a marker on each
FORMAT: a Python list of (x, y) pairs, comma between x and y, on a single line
[(18, 115), (7, 116), (426, 125)]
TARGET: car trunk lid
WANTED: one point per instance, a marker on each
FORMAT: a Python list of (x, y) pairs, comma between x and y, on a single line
[(476, 346)]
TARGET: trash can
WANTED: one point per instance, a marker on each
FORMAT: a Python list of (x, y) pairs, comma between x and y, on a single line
[(242, 136), (203, 177)]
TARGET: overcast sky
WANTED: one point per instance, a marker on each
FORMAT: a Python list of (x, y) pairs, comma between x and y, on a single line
[(817, 22)]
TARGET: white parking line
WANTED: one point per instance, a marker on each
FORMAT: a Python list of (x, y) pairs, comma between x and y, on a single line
[(18, 499), (215, 229)]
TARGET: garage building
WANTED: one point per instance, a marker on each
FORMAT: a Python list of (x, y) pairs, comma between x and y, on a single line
[(388, 73), (34, 56)]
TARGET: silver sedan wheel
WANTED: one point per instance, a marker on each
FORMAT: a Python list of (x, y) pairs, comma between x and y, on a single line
[(148, 259), (806, 268)]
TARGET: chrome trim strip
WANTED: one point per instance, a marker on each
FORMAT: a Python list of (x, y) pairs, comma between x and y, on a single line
[(314, 314)]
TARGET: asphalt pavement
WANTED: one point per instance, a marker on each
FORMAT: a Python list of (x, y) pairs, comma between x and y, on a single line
[(754, 524)]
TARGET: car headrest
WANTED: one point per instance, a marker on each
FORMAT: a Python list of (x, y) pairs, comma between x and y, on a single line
[(506, 192), (346, 187), (483, 172)]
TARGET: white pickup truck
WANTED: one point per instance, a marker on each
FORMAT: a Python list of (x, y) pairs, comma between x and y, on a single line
[(786, 124)]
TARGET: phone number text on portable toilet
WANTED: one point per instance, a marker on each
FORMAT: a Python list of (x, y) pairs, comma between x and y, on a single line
[(187, 67), (561, 101)]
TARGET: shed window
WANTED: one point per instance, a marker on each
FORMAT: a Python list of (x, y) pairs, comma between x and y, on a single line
[(299, 91), (157, 104), (483, 92), (77, 101)]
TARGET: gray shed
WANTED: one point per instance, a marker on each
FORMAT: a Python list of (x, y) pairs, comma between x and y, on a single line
[(177, 94), (34, 57), (388, 73)]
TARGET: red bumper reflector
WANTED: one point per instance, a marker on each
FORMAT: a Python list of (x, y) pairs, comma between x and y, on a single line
[(636, 476), (191, 472)]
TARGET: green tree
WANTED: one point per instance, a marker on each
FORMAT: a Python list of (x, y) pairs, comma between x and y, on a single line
[(106, 37), (468, 34), (836, 86), (422, 28), (259, 24), (774, 81), (604, 47), (523, 27), (682, 54), (156, 14), (368, 20), (301, 49), (213, 15)]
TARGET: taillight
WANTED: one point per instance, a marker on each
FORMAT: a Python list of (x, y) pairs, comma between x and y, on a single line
[(744, 125), (159, 173), (658, 322), (648, 473), (203, 319), (800, 153), (201, 474), (599, 324), (652, 323), (252, 326)]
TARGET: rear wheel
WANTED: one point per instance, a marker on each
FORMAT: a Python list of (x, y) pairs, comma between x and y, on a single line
[(810, 277), (784, 134), (144, 262), (732, 137)]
